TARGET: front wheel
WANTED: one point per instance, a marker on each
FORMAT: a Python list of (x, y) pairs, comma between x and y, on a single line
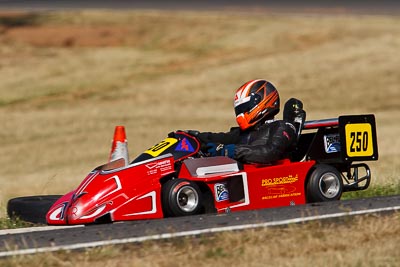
[(181, 197), (325, 184)]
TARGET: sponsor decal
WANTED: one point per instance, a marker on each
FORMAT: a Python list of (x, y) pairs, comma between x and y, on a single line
[(184, 145), (221, 192), (295, 194), (163, 166), (280, 180), (332, 143), (280, 187), (279, 190)]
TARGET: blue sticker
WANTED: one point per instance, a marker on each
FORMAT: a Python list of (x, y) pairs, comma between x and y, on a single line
[(221, 192), (332, 143), (184, 145), (333, 148)]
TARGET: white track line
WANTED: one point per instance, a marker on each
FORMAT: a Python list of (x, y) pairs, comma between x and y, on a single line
[(36, 229), (191, 233)]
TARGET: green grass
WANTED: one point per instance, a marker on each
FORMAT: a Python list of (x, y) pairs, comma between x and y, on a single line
[(7, 223), (374, 191)]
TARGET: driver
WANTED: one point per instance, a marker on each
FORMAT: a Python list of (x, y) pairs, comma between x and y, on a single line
[(259, 138)]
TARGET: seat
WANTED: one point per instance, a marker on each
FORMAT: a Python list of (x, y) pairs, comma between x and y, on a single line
[(294, 113)]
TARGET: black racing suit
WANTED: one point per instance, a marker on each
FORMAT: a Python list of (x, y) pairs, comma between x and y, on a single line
[(263, 143)]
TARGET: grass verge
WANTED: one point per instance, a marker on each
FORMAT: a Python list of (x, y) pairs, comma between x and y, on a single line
[(357, 241)]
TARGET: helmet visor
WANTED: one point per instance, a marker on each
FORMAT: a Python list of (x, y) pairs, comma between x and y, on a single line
[(248, 105)]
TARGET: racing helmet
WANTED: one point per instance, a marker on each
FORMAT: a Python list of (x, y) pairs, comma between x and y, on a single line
[(255, 101)]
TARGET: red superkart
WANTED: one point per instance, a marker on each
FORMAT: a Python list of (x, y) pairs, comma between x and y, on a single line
[(173, 178)]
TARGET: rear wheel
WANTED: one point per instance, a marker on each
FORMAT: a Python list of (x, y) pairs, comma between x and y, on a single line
[(181, 197), (325, 184), (32, 208)]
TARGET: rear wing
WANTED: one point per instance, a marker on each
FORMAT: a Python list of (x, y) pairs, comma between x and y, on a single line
[(344, 139), (321, 123)]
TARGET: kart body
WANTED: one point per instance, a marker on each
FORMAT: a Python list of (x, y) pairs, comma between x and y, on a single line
[(172, 178)]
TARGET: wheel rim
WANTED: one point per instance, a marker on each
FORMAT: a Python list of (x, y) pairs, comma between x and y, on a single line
[(187, 199), (329, 185)]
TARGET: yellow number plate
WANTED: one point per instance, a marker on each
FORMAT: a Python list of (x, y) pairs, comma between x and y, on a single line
[(359, 141), (156, 150)]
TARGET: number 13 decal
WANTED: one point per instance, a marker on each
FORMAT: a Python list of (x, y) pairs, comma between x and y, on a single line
[(156, 150)]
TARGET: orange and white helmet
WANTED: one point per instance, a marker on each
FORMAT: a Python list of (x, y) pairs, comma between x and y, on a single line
[(254, 101)]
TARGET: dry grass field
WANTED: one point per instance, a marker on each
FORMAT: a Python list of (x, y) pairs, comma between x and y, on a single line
[(67, 78), (373, 242)]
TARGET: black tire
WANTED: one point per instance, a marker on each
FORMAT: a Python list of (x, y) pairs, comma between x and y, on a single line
[(324, 184), (181, 197), (32, 208)]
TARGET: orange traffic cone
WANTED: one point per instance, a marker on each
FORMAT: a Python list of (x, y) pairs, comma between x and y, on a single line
[(119, 147)]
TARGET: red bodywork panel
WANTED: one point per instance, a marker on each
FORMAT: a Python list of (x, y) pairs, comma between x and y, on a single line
[(128, 193), (134, 192), (256, 186)]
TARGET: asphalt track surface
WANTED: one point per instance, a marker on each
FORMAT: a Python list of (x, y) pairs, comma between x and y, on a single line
[(309, 6), (34, 240)]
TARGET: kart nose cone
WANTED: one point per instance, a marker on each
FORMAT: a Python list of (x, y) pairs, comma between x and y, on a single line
[(57, 214), (73, 211), (77, 214)]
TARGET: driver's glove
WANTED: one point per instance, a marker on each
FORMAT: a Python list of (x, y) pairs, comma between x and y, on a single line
[(215, 149)]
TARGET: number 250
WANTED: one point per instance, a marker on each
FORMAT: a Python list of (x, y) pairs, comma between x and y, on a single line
[(359, 141)]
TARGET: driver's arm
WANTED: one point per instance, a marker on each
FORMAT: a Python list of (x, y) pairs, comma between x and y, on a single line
[(274, 150), (231, 137)]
